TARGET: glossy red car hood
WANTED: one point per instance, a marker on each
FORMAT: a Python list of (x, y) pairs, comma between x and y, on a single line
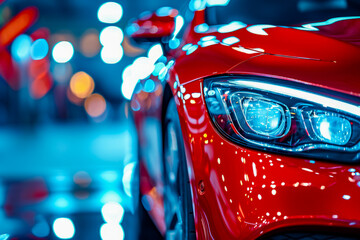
[(329, 42), (327, 55)]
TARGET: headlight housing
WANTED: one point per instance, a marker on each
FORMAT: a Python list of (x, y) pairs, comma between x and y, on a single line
[(285, 117)]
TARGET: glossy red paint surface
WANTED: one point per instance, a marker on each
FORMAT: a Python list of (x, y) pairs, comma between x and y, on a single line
[(155, 26), (249, 192)]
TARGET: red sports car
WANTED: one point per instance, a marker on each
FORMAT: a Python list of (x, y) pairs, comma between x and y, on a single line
[(250, 130)]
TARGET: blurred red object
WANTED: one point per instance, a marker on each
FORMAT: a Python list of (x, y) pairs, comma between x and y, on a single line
[(16, 26)]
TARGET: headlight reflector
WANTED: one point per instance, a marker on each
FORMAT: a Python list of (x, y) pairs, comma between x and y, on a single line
[(285, 117), (261, 116), (331, 128)]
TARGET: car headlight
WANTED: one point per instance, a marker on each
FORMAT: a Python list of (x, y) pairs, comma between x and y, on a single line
[(281, 116)]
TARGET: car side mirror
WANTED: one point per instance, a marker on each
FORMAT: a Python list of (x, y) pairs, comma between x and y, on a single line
[(153, 27)]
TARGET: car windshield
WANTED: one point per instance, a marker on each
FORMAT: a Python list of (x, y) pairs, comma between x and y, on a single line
[(278, 12)]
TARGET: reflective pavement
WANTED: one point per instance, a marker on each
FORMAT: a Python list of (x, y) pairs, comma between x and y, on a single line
[(64, 181)]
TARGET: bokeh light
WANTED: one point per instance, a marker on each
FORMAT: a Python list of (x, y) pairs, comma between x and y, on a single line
[(20, 49), (82, 84), (62, 72), (129, 82), (39, 49), (41, 229), (95, 105), (41, 85), (129, 49), (128, 175), (112, 54), (112, 212), (111, 36), (110, 196), (111, 231), (36, 68), (110, 12), (63, 52), (143, 67), (64, 228), (74, 99), (5, 14), (155, 52), (149, 86), (89, 43)]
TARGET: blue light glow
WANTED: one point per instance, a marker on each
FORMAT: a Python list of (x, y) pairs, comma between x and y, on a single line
[(231, 27), (41, 229), (109, 176), (208, 43), (129, 169), (162, 73), (63, 52), (186, 47), (196, 5), (110, 12), (331, 128), (192, 49), (201, 28), (39, 49), (174, 43), (149, 85), (217, 2), (164, 11), (110, 196), (21, 47), (62, 202), (310, 6), (352, 170), (230, 40), (158, 68), (207, 38), (313, 26), (264, 117), (147, 202), (64, 228), (4, 236)]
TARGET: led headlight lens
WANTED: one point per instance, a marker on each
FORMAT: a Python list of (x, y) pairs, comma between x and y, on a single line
[(331, 128), (272, 115), (260, 116)]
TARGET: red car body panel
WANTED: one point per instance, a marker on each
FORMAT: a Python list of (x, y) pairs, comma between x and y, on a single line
[(248, 192)]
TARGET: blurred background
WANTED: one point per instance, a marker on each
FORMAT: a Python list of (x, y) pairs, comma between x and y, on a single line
[(68, 148)]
